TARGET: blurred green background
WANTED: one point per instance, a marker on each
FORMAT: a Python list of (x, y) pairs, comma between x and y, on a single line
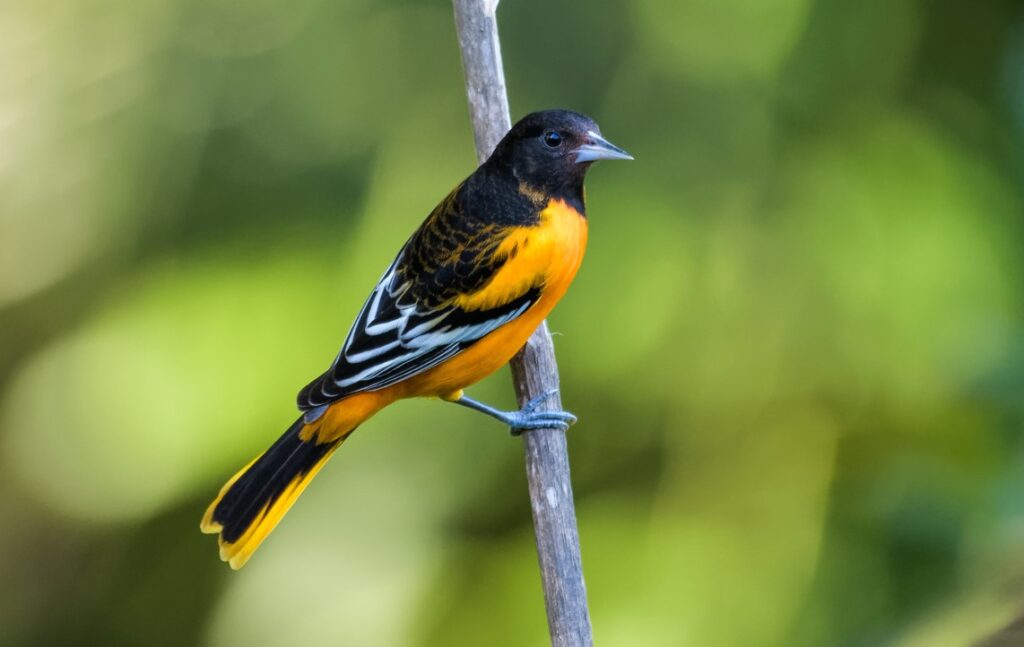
[(796, 346)]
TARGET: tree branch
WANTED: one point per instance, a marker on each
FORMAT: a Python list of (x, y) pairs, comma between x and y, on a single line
[(534, 369)]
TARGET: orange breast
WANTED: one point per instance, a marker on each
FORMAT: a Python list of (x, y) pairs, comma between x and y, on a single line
[(548, 253)]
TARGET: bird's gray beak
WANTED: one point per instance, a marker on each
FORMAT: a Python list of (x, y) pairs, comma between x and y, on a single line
[(599, 148)]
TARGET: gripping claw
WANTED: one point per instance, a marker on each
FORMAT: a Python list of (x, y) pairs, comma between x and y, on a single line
[(526, 418)]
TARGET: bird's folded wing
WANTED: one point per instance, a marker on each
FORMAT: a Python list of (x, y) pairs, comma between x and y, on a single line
[(413, 321)]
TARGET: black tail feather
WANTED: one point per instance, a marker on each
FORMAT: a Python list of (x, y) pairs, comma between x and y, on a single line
[(262, 483)]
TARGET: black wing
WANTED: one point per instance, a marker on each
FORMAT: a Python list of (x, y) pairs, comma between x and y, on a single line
[(411, 322)]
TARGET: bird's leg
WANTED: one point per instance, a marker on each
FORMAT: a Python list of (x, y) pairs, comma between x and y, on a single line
[(525, 418)]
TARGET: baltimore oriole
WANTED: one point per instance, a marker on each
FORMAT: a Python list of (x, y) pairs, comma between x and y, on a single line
[(462, 296)]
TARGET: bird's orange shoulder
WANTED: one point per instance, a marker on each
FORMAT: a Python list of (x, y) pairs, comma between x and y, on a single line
[(544, 254)]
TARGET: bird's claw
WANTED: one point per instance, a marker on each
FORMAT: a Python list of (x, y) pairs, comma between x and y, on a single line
[(526, 418), (536, 402), (529, 418)]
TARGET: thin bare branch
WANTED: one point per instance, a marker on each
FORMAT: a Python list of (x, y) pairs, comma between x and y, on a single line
[(534, 369)]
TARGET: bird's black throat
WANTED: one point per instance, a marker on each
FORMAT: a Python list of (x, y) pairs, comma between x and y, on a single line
[(495, 192)]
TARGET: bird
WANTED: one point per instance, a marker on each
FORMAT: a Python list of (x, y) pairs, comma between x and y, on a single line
[(462, 296)]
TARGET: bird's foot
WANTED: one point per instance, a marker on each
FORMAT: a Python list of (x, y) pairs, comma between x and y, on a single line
[(526, 418), (529, 418), (518, 421)]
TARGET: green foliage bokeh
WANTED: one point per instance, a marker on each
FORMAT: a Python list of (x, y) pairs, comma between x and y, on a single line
[(796, 346)]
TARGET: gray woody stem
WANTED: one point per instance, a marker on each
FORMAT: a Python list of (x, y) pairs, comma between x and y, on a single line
[(534, 369)]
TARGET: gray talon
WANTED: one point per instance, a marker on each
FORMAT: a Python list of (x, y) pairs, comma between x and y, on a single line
[(536, 402), (524, 420), (527, 417)]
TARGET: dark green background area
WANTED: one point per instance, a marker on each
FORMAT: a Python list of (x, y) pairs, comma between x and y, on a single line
[(796, 346)]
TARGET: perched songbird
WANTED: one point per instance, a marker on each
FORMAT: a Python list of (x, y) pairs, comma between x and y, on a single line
[(462, 296)]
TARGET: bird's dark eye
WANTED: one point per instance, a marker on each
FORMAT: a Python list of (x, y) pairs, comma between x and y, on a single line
[(552, 139)]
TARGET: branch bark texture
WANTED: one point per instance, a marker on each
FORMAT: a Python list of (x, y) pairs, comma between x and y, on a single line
[(534, 369)]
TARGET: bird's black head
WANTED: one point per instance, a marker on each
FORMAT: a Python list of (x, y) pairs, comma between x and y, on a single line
[(549, 152)]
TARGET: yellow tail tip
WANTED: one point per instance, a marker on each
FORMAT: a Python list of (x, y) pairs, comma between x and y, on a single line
[(259, 525), (208, 526), (235, 557)]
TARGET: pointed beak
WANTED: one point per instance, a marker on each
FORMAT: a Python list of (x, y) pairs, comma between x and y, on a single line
[(599, 148)]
